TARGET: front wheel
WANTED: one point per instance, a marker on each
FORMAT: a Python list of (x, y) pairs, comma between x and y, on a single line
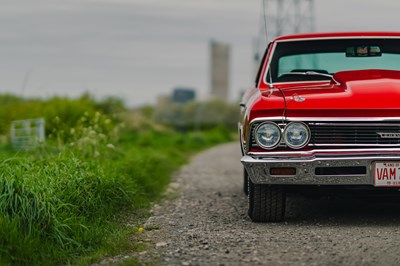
[(266, 202)]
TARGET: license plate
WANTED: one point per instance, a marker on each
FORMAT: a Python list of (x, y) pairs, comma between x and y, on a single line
[(387, 174)]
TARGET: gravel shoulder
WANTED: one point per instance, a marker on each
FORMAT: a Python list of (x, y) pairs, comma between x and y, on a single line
[(206, 223)]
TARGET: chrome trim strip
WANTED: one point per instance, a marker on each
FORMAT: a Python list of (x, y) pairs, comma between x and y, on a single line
[(323, 152), (267, 119), (328, 119), (264, 78), (303, 81), (353, 125), (338, 37), (250, 159), (346, 119), (354, 145), (242, 144)]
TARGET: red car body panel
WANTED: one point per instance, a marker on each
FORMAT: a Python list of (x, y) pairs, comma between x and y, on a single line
[(364, 93)]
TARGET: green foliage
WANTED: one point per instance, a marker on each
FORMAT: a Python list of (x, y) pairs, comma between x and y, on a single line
[(8, 99), (68, 199), (111, 105), (89, 134), (199, 115), (67, 110)]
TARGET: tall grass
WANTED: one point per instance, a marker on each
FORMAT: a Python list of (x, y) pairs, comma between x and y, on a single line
[(54, 204), (60, 205), (70, 199)]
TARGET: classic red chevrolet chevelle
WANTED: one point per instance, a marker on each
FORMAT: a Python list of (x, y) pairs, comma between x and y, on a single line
[(324, 114)]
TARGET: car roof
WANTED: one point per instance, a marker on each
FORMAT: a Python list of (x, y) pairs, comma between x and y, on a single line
[(328, 35)]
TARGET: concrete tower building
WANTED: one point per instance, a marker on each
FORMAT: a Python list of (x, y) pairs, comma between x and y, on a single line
[(219, 70)]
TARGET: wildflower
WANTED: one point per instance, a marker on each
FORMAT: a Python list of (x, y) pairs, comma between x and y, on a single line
[(110, 146), (102, 136), (92, 133), (140, 229)]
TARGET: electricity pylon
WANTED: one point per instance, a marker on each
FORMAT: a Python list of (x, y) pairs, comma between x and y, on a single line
[(280, 17)]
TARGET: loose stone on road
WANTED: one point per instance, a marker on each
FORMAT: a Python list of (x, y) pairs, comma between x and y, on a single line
[(207, 223)]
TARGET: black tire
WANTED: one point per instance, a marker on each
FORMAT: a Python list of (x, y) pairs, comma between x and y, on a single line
[(266, 202), (245, 181)]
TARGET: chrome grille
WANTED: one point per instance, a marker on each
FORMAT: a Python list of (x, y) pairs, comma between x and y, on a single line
[(354, 134), (253, 139)]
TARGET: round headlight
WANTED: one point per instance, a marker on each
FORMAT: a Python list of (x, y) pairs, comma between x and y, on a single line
[(296, 135), (268, 135)]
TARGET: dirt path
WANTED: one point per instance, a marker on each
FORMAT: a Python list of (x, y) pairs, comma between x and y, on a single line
[(207, 224)]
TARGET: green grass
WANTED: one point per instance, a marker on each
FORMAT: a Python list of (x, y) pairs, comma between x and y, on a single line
[(70, 206), (57, 207), (82, 196)]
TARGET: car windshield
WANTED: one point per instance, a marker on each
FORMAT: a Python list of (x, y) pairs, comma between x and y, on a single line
[(319, 59)]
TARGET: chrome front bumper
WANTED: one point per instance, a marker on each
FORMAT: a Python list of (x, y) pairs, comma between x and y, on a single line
[(258, 169)]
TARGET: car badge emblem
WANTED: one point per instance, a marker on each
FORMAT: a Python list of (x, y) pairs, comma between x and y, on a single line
[(389, 135), (299, 99)]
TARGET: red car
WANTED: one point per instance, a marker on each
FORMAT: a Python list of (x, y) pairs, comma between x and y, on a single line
[(324, 114)]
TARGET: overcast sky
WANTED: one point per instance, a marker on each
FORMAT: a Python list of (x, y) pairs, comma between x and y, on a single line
[(138, 49)]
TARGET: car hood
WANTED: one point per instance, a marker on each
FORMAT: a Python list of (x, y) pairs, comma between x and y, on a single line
[(362, 93)]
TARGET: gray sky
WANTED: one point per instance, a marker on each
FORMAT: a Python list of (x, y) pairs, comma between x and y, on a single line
[(138, 49)]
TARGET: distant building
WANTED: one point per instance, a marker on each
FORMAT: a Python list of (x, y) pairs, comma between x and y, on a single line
[(183, 95), (219, 68)]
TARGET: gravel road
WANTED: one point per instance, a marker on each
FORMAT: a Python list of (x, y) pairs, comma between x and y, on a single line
[(207, 224)]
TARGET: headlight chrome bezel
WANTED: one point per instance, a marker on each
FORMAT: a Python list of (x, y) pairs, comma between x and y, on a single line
[(306, 129), (276, 143)]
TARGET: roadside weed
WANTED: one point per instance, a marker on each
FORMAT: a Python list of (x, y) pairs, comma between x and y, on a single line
[(70, 201)]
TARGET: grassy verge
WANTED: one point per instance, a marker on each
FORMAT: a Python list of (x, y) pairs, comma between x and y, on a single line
[(67, 202)]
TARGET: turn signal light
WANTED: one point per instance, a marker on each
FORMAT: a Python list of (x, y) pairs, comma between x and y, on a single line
[(283, 171)]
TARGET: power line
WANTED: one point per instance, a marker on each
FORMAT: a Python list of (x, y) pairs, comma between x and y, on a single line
[(282, 17)]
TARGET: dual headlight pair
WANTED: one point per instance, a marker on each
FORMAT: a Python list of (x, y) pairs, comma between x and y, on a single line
[(296, 135)]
